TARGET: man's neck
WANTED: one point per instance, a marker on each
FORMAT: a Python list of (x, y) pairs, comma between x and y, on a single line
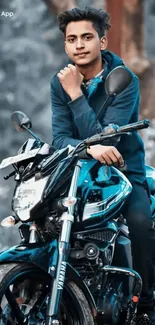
[(90, 71)]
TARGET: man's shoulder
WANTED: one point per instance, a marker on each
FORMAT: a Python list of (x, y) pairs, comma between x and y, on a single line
[(56, 86), (55, 81), (114, 61), (57, 89), (134, 84), (134, 76)]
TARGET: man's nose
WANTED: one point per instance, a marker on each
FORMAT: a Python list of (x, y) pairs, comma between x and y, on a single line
[(79, 43)]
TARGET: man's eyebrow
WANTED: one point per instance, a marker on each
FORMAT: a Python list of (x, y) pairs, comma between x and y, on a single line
[(71, 35), (84, 34)]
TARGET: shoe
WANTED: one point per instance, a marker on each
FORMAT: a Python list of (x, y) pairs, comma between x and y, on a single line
[(146, 318), (143, 319)]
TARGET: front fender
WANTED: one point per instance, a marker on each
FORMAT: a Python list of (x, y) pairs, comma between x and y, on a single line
[(45, 256), (42, 255)]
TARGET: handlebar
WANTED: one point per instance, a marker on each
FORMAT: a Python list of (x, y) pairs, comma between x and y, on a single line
[(117, 132), (134, 126), (98, 138)]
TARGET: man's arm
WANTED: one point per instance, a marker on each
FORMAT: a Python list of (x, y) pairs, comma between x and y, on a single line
[(62, 122), (119, 112), (78, 112), (62, 129)]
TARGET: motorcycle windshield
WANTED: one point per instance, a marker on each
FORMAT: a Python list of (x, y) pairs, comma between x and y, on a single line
[(20, 157), (59, 177)]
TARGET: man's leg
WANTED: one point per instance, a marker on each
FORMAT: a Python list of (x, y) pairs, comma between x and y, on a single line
[(138, 215)]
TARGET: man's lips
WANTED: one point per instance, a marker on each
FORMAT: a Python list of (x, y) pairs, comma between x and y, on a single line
[(81, 53)]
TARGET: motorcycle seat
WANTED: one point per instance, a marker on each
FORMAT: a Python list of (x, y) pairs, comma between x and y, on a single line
[(150, 178)]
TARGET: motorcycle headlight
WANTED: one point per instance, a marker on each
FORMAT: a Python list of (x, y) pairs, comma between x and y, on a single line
[(27, 195)]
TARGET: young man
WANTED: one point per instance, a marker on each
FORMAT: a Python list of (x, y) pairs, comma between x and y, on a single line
[(77, 93)]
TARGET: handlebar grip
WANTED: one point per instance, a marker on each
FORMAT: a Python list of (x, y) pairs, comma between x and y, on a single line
[(102, 138), (98, 138), (134, 126)]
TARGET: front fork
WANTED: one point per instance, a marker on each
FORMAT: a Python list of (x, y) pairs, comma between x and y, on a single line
[(63, 248)]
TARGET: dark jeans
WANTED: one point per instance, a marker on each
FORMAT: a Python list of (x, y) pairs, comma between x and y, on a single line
[(138, 215)]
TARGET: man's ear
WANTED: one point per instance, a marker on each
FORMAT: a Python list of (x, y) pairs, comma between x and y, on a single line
[(65, 47), (104, 43)]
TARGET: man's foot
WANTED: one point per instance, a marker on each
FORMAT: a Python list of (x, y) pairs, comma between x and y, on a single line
[(146, 317)]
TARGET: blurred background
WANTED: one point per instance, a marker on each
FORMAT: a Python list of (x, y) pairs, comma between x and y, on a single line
[(32, 51)]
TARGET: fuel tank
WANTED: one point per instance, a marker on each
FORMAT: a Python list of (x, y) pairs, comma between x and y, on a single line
[(102, 191)]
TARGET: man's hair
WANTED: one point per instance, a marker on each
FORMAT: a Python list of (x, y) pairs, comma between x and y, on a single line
[(98, 17)]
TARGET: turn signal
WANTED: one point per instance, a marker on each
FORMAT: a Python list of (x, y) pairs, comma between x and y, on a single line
[(69, 201), (8, 221)]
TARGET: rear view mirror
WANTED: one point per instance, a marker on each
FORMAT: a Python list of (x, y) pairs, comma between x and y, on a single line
[(20, 120), (117, 80)]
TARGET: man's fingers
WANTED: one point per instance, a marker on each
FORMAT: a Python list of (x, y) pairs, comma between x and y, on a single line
[(107, 155), (72, 67), (75, 70), (112, 156), (62, 71), (60, 76), (107, 159), (102, 161), (67, 69), (118, 156)]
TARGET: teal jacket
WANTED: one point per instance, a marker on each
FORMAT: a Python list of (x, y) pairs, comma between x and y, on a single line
[(73, 121)]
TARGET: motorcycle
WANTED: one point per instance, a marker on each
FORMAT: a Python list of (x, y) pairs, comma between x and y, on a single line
[(73, 265)]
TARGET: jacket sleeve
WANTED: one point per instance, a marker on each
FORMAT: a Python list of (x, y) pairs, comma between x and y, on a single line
[(79, 113), (119, 112), (62, 123)]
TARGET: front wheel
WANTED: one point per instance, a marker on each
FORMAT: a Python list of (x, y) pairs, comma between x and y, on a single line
[(24, 292)]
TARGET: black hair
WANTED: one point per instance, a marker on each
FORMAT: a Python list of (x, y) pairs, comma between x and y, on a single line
[(98, 17)]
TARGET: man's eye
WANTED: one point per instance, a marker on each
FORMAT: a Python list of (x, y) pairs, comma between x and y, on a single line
[(88, 37), (71, 40)]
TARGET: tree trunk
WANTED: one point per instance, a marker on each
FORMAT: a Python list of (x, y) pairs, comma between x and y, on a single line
[(132, 45), (114, 34), (57, 6)]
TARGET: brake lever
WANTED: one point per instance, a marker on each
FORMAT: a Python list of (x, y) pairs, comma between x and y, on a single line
[(6, 177)]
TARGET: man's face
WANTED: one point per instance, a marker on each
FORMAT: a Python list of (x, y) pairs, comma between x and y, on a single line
[(83, 44)]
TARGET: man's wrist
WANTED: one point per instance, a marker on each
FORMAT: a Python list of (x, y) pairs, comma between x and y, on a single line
[(76, 94)]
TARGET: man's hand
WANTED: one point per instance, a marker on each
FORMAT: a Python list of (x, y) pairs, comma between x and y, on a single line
[(107, 155), (71, 79)]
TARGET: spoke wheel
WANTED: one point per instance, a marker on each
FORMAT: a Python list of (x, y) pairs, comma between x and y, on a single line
[(24, 292)]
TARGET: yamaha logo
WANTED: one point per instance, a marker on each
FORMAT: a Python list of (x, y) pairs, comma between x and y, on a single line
[(62, 276)]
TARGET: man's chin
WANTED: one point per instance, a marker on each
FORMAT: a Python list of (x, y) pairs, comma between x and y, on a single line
[(82, 63)]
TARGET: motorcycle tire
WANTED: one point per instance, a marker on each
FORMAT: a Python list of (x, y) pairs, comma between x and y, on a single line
[(24, 285)]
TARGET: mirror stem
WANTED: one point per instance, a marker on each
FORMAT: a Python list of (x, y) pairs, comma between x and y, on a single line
[(28, 130), (104, 106)]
